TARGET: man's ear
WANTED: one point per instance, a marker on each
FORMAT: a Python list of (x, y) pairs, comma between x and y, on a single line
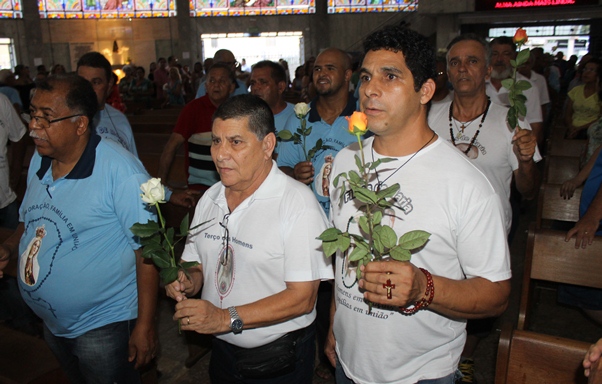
[(427, 91), (269, 144), (111, 82), (281, 87), (83, 124)]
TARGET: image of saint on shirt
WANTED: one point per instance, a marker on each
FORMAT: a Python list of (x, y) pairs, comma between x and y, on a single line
[(28, 265), (224, 273), (322, 182)]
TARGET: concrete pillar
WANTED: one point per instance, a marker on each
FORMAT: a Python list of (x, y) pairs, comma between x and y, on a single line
[(30, 43)]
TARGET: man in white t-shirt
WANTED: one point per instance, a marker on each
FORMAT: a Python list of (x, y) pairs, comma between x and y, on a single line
[(478, 128), (260, 263), (503, 50), (414, 330)]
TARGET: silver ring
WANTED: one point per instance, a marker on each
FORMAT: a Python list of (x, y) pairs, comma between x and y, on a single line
[(188, 319)]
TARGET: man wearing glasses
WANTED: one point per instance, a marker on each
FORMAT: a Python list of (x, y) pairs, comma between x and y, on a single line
[(226, 57), (260, 260), (80, 268)]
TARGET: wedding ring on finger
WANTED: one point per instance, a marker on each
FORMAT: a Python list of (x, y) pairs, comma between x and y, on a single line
[(187, 320)]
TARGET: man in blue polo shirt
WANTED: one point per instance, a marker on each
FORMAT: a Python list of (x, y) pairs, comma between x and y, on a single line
[(332, 72), (80, 268)]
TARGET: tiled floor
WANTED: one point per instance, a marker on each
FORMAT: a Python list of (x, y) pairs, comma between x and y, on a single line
[(549, 317)]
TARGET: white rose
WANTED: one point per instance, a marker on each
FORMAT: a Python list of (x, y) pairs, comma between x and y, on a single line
[(153, 192), (301, 110)]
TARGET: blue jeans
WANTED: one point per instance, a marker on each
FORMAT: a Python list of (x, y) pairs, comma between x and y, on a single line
[(341, 378), (99, 356), (222, 367)]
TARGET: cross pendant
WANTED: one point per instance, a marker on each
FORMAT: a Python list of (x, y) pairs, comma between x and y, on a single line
[(389, 287)]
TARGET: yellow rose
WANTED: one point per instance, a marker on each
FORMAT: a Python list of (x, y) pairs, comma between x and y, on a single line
[(520, 37), (358, 123), (301, 110), (153, 192)]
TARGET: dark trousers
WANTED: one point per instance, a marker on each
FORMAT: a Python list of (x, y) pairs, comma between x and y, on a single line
[(222, 367)]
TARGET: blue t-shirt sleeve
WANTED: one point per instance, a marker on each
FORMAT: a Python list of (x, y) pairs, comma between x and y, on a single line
[(201, 91), (130, 208), (289, 153)]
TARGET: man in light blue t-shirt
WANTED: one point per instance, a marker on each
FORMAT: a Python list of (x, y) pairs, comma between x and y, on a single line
[(80, 268), (268, 81)]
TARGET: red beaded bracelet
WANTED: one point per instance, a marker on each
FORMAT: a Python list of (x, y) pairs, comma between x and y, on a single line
[(426, 300)]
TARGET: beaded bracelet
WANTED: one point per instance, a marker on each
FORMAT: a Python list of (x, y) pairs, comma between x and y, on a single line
[(426, 300)]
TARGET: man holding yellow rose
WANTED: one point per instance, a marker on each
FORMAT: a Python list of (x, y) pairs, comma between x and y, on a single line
[(80, 267), (404, 321)]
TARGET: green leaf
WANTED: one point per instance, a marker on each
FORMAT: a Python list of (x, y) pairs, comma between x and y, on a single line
[(184, 225), (414, 239), (507, 83), (374, 165), (161, 261), (355, 178), (388, 192), (336, 179), (188, 264), (522, 85), (343, 243), (358, 253), (169, 275), (521, 98), (513, 63), (150, 240), (151, 249), (522, 57), (329, 247), (521, 109), (358, 162), (285, 135), (386, 235), (400, 254), (170, 234), (363, 223), (364, 195), (331, 234), (377, 217), (511, 117), (308, 131), (145, 230)]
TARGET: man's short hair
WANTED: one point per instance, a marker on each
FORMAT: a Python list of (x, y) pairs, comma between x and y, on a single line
[(96, 60), (80, 97), (471, 37), (418, 53), (503, 40), (227, 68), (261, 118), (278, 73)]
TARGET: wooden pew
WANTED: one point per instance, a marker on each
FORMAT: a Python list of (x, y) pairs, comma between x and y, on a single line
[(550, 258), (559, 169), (534, 358), (564, 147), (552, 207)]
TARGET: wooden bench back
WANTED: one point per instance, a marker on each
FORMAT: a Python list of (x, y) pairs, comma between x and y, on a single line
[(559, 169), (534, 358), (551, 206), (550, 258)]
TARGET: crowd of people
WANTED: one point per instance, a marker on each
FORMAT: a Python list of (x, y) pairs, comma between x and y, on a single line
[(262, 285)]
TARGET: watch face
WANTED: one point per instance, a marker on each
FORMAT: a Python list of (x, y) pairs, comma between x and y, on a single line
[(237, 325)]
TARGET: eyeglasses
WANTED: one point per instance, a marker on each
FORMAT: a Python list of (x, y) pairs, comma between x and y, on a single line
[(223, 259), (44, 122)]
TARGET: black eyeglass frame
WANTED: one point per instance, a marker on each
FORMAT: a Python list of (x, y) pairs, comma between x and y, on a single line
[(49, 122)]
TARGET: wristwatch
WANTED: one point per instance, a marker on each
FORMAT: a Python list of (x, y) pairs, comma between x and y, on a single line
[(236, 323)]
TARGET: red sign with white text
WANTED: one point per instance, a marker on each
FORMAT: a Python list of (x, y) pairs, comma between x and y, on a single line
[(486, 5)]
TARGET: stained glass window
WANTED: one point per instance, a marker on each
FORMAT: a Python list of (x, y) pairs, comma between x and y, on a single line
[(105, 9), (361, 6), (10, 9), (204, 8)]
